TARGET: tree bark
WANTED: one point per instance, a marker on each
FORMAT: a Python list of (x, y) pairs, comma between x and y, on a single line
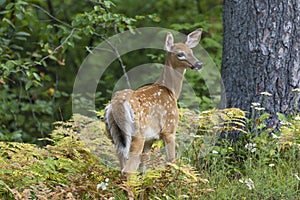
[(261, 54)]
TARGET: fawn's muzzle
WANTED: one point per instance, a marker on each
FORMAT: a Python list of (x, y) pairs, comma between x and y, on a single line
[(197, 65)]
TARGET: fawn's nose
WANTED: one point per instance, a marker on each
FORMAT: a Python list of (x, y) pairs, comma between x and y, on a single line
[(197, 65)]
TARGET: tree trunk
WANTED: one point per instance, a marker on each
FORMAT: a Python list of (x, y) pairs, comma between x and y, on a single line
[(261, 54)]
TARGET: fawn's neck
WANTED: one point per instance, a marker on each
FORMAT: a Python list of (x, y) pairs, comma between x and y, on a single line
[(172, 78)]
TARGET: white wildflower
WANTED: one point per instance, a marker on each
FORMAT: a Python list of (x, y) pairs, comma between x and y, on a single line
[(274, 136), (184, 196), (255, 104), (297, 90), (297, 118), (103, 185), (193, 135), (271, 165), (248, 182), (284, 123), (251, 147), (297, 177), (266, 94), (259, 108), (214, 152), (205, 112), (199, 117)]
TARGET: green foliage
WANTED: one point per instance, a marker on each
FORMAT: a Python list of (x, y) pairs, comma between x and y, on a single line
[(164, 183), (220, 121), (42, 44), (67, 169), (261, 165), (255, 167)]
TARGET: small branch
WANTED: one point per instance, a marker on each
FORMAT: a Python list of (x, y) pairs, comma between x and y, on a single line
[(115, 50), (61, 22), (60, 46), (51, 16), (14, 192)]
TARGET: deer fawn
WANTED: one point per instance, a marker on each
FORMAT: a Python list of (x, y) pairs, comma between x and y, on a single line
[(136, 118)]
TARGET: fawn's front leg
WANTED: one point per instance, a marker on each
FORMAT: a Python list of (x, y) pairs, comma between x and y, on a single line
[(134, 157), (145, 155)]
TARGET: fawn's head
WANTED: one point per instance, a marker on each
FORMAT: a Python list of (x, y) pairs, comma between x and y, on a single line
[(180, 55)]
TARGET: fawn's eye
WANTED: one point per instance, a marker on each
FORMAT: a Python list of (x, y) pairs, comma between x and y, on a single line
[(180, 55)]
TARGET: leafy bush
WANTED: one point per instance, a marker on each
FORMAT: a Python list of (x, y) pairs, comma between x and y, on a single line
[(42, 44)]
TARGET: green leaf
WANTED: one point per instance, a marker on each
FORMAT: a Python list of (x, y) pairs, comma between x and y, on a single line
[(17, 47), (2, 183), (22, 33), (4, 11), (28, 85), (109, 4), (36, 76), (264, 116), (20, 16), (9, 6), (21, 38), (281, 117), (9, 22)]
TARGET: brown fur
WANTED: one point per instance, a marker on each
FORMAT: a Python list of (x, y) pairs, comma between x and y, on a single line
[(135, 119)]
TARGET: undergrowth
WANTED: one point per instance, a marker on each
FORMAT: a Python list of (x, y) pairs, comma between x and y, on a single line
[(79, 162)]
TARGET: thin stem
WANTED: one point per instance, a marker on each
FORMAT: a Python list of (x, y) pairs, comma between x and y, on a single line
[(116, 52), (60, 46), (51, 16)]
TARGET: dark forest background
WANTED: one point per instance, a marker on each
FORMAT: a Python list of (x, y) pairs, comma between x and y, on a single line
[(44, 42)]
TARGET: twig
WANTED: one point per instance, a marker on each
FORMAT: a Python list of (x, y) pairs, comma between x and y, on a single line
[(16, 194), (60, 46), (115, 50), (51, 16), (59, 21)]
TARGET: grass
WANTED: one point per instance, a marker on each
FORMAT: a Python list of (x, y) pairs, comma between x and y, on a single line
[(255, 179), (79, 163)]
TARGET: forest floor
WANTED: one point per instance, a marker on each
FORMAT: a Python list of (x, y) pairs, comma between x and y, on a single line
[(79, 162)]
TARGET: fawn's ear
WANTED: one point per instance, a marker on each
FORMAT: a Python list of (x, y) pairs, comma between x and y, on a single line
[(193, 38), (169, 42)]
